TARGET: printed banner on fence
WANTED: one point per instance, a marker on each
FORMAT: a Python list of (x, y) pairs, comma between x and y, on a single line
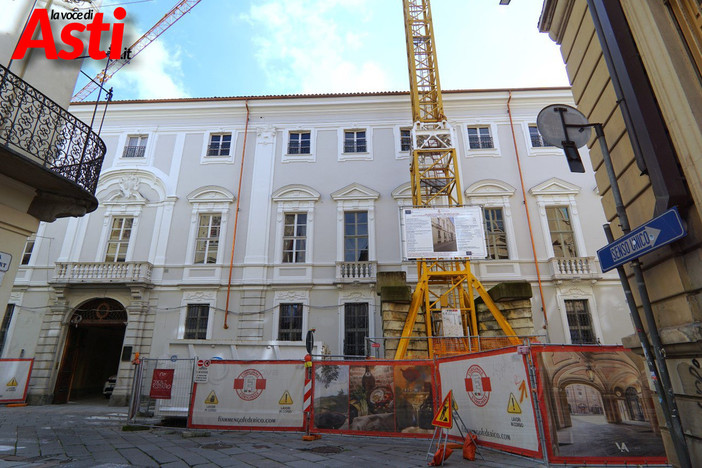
[(14, 379), (249, 394), (493, 397), (162, 384), (384, 398), (598, 405)]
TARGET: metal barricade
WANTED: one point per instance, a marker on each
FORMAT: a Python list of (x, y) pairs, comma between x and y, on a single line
[(161, 389)]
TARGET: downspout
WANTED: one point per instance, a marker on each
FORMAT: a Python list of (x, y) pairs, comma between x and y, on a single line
[(526, 208), (236, 216)]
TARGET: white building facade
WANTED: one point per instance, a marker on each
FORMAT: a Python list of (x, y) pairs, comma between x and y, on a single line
[(307, 197)]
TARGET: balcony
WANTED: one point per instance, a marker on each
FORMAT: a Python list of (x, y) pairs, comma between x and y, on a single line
[(569, 268), (45, 147), (350, 272), (102, 273)]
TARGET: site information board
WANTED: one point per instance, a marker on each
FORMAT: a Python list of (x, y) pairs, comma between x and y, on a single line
[(444, 233), (646, 238)]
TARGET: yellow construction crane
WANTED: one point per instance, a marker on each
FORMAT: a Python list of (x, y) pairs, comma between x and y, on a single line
[(435, 182)]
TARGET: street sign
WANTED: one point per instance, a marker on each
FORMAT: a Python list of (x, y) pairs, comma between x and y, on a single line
[(443, 417), (646, 238)]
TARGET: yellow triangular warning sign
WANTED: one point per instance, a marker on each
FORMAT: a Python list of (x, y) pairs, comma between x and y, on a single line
[(12, 382), (211, 398), (286, 399), (513, 406), (444, 417)]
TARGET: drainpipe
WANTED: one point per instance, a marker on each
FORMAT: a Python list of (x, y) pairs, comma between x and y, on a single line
[(526, 208), (236, 216)]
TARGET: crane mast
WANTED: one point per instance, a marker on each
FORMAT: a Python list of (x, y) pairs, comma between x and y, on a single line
[(435, 183)]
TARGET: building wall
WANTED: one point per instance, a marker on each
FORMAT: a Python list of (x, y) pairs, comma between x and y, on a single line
[(174, 182), (672, 273)]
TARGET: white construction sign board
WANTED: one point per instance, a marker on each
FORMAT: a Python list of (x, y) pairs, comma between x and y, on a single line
[(444, 233), (14, 379), (494, 399), (249, 395)]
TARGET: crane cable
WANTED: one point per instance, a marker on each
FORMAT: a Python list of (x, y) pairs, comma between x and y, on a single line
[(236, 216), (526, 207)]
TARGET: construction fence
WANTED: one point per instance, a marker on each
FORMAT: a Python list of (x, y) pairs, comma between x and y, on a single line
[(574, 404)]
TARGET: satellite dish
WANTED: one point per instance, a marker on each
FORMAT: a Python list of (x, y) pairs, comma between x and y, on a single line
[(558, 123)]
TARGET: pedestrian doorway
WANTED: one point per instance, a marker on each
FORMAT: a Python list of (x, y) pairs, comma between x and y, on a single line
[(92, 351)]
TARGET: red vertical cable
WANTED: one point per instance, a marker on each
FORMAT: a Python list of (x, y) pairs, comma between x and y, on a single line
[(236, 216), (526, 207)]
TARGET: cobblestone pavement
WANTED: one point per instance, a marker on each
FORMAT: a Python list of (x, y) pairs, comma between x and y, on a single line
[(91, 435)]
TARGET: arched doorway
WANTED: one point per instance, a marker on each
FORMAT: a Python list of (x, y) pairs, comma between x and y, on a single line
[(92, 351), (633, 403)]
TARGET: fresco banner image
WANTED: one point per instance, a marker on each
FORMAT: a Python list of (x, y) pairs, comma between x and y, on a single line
[(374, 398), (598, 405)]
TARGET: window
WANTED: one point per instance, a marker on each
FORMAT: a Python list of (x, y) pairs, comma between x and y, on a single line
[(295, 238), (561, 229), (405, 139), (537, 140), (355, 141), (196, 322), (495, 235), (479, 138), (9, 311), (356, 236), (220, 144), (136, 146), (299, 143), (579, 322), (118, 243), (27, 254), (355, 328), (207, 241), (290, 322)]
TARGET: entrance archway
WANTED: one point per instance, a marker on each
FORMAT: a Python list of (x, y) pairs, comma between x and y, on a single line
[(92, 351)]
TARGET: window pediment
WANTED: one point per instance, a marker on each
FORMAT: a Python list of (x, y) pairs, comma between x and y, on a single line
[(211, 194), (296, 192), (355, 191), (490, 188), (554, 186)]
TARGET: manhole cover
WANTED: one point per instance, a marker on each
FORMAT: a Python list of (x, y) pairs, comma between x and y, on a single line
[(216, 446), (325, 449)]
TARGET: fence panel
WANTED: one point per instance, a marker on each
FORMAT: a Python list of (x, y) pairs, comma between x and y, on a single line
[(248, 395), (493, 393), (14, 379), (374, 397), (162, 388)]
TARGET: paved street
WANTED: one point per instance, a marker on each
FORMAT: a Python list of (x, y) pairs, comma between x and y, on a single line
[(91, 435)]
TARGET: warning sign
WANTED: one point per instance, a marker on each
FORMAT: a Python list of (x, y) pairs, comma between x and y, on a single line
[(202, 371), (513, 406), (444, 417), (15, 373), (286, 399), (211, 398)]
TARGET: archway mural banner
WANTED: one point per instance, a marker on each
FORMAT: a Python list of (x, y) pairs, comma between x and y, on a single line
[(494, 399), (597, 405), (14, 379)]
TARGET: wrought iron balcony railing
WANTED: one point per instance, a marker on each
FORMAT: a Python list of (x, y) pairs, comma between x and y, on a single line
[(134, 151), (40, 130), (102, 272)]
